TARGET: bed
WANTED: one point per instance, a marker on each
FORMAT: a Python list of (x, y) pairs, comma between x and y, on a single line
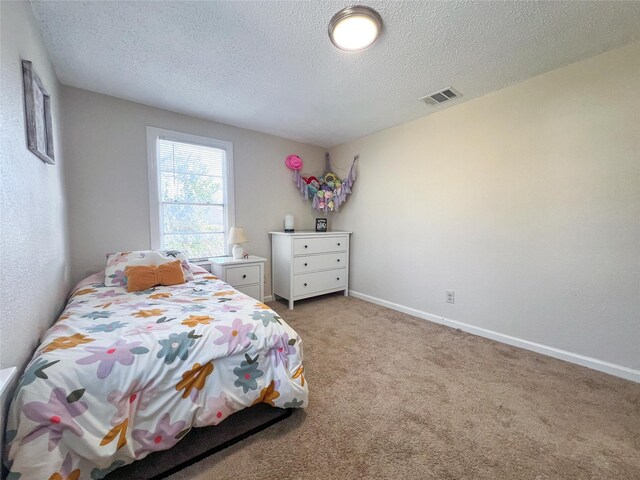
[(121, 375)]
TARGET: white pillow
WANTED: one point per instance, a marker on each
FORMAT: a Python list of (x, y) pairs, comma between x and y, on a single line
[(117, 262)]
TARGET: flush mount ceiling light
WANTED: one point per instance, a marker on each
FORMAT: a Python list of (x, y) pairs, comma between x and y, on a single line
[(355, 28)]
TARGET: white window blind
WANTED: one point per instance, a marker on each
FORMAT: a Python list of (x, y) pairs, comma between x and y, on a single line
[(192, 192)]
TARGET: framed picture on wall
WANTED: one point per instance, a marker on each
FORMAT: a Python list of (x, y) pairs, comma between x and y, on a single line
[(37, 107), (321, 224)]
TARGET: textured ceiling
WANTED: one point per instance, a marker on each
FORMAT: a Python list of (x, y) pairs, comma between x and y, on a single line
[(270, 66)]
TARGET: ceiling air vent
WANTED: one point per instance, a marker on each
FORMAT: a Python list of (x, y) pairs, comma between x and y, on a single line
[(443, 96)]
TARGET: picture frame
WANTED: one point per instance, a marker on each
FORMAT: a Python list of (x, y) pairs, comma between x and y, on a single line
[(321, 224), (37, 106)]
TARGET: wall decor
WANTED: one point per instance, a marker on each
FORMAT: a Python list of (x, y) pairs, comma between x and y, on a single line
[(37, 106), (327, 192), (321, 224)]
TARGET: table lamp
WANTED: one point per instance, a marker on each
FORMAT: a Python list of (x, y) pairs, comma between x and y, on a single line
[(236, 237)]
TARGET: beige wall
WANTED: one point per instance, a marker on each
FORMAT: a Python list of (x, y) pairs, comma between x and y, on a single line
[(34, 250), (34, 255), (106, 152), (526, 202)]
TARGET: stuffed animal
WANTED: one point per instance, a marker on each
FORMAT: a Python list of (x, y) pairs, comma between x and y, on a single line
[(313, 185), (327, 192), (330, 179)]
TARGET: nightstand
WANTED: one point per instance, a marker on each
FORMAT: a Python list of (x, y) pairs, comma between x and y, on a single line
[(245, 275)]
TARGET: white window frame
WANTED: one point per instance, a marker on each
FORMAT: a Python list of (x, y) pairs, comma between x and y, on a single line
[(155, 203)]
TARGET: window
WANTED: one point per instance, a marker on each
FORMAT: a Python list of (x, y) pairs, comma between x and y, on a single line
[(190, 192)]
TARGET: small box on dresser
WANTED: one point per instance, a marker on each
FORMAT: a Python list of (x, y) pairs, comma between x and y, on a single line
[(307, 264), (245, 275)]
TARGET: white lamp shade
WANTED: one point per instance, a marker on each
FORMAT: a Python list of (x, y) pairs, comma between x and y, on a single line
[(237, 236)]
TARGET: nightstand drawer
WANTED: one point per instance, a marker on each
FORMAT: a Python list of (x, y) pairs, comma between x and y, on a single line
[(310, 283), (251, 290), (245, 275), (313, 263), (304, 246)]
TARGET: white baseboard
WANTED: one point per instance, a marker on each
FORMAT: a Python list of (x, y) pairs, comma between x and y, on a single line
[(589, 362), (268, 298)]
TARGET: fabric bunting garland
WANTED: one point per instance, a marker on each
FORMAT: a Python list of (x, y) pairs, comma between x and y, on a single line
[(327, 192)]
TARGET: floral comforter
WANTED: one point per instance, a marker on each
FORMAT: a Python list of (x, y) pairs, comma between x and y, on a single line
[(121, 375)]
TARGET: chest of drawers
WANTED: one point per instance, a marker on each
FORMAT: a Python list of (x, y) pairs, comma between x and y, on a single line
[(307, 264)]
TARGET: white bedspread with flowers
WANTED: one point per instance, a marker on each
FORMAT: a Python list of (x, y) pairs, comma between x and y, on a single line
[(121, 375)]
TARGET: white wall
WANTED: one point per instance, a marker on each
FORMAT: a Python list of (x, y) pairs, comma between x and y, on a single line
[(106, 153), (526, 202), (34, 254)]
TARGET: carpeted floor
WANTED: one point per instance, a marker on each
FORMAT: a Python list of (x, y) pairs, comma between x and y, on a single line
[(396, 397)]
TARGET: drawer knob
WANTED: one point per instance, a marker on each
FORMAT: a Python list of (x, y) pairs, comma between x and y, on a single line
[(338, 259), (306, 246), (244, 276), (338, 243), (338, 278), (305, 264), (305, 284)]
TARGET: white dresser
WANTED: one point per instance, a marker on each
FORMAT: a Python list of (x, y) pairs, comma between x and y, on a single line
[(245, 275), (307, 264)]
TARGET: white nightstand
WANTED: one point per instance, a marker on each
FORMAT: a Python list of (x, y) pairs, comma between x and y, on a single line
[(246, 276)]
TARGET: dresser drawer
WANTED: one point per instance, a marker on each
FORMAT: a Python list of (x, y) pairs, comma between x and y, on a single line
[(245, 275), (310, 283), (304, 246), (313, 263), (251, 290)]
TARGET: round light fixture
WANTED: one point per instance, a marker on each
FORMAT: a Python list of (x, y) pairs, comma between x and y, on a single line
[(355, 28)]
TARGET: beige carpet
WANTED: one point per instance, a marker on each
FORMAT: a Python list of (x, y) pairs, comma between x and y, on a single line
[(393, 396)]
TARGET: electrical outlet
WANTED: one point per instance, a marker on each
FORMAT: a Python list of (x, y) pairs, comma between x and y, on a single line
[(450, 296)]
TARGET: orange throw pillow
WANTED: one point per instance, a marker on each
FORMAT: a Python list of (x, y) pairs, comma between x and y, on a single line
[(143, 277)]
